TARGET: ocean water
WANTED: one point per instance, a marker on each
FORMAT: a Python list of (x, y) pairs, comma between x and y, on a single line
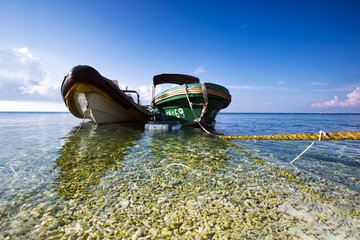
[(117, 181)]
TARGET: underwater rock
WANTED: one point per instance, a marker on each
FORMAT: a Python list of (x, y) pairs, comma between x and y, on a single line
[(302, 215)]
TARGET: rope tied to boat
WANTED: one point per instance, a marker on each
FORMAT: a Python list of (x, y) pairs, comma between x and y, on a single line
[(205, 104), (355, 135), (331, 136), (85, 113), (321, 133), (203, 111), (328, 136)]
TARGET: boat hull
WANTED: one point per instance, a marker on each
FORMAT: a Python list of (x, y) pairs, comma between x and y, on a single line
[(87, 94), (205, 102)]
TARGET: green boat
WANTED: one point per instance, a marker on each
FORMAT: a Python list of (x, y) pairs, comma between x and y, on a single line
[(190, 103)]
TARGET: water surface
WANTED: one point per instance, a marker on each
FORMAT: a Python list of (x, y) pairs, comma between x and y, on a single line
[(119, 181)]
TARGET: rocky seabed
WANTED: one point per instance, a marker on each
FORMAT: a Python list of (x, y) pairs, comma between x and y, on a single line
[(182, 203)]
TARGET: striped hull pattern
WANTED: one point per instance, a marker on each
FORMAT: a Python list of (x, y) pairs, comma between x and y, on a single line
[(173, 105)]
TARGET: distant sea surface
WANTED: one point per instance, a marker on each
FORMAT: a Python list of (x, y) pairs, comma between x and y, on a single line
[(61, 178)]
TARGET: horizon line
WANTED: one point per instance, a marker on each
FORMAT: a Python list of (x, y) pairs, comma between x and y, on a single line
[(218, 113)]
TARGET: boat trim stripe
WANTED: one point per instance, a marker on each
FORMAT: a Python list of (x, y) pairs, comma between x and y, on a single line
[(193, 90)]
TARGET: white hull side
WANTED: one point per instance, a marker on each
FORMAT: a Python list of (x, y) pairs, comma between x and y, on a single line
[(99, 109)]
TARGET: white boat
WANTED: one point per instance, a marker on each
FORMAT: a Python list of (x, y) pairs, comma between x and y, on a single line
[(87, 94)]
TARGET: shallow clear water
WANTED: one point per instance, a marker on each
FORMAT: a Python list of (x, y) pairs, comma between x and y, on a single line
[(120, 181)]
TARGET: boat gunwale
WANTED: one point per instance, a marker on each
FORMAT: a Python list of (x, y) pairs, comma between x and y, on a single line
[(192, 91), (90, 80), (136, 109)]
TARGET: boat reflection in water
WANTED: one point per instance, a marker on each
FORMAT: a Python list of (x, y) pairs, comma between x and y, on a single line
[(192, 148), (117, 154), (88, 154)]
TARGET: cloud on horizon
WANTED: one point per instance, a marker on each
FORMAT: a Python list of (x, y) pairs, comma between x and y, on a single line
[(318, 84), (246, 87), (145, 91), (200, 69), (23, 77), (353, 99), (259, 88), (32, 106)]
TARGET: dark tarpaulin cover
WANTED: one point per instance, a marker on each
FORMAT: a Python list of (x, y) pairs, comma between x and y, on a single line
[(174, 78)]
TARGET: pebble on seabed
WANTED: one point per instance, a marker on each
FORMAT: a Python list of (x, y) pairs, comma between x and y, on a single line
[(177, 195), (200, 206)]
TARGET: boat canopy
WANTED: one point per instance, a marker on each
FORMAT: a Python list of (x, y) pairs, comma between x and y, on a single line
[(174, 78)]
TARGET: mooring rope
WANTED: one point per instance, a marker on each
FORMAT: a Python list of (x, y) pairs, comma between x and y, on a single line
[(334, 136), (330, 136), (87, 110), (321, 133), (354, 135), (19, 173), (198, 120)]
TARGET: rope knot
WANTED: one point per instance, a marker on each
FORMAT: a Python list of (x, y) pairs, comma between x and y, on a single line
[(321, 133)]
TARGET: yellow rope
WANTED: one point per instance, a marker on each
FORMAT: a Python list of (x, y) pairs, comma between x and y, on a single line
[(335, 136), (355, 135)]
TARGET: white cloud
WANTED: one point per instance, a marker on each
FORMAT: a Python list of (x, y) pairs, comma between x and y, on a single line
[(145, 92), (281, 82), (344, 89), (23, 77), (200, 70), (245, 87), (260, 88), (318, 84), (353, 99), (32, 106)]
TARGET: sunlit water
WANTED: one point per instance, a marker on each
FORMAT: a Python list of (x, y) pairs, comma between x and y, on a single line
[(118, 181)]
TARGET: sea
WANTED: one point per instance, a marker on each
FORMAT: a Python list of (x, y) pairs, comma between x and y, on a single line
[(65, 178)]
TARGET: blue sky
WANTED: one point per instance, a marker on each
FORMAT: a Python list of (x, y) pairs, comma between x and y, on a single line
[(273, 56)]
